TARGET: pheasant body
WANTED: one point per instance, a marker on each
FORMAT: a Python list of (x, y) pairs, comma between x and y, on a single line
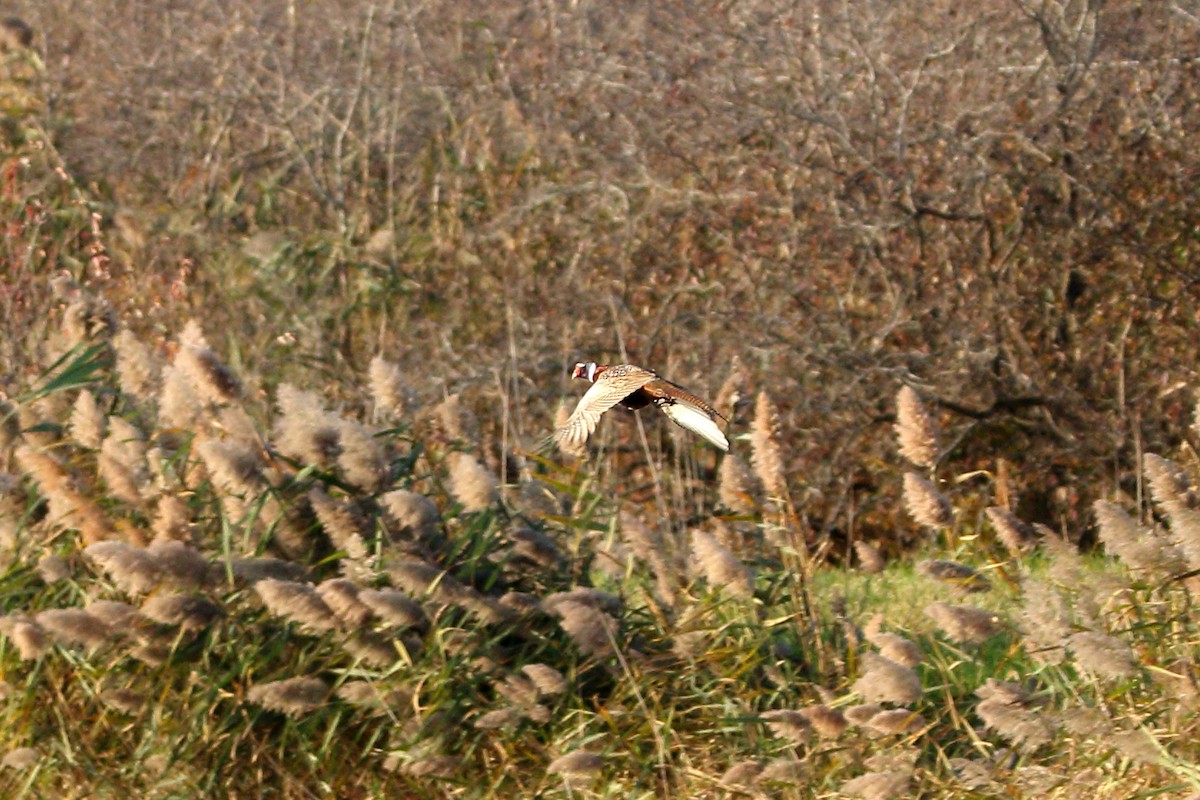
[(635, 388)]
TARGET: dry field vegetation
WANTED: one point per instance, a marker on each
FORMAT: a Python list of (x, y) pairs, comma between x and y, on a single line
[(290, 293)]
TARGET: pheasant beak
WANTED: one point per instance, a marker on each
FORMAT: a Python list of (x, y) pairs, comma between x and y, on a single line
[(579, 372)]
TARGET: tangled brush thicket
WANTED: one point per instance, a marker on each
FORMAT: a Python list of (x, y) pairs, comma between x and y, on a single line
[(358, 585)]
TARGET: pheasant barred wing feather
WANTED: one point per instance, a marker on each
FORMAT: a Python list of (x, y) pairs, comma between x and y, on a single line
[(695, 419), (610, 388)]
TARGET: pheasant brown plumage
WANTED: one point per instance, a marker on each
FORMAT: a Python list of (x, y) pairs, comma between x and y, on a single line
[(634, 387)]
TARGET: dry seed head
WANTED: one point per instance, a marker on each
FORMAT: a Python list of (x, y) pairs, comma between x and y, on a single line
[(788, 770), (956, 574), (298, 602), (592, 630), (861, 714), (546, 679), (518, 690), (182, 566), (1142, 550), (742, 774), (125, 442), (596, 598), (1023, 728), (896, 648), (411, 510), (387, 389), (766, 457), (471, 483), (534, 546), (498, 719), (87, 421), (53, 569), (73, 626), (562, 415), (1013, 532), (304, 430), (294, 696), (210, 378), (1173, 494), (721, 567), (190, 612), (345, 528), (885, 681), (394, 608), (119, 617), (916, 430), (234, 467), (878, 785), (737, 488), (137, 368), (925, 503), (372, 649), (896, 721), (341, 595), (790, 725), (28, 637), (132, 569), (1138, 745), (126, 701), (870, 560), (965, 624), (363, 459), (253, 570), (829, 723), (578, 762), (1103, 655), (21, 758), (456, 422), (1045, 621), (151, 653), (177, 404), (436, 766)]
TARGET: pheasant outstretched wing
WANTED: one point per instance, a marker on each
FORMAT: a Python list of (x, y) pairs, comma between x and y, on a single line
[(688, 411), (610, 388)]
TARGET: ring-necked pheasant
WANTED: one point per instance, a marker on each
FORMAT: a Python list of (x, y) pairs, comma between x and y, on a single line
[(633, 388)]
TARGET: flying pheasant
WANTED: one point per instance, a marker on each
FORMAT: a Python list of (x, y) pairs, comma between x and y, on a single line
[(633, 388)]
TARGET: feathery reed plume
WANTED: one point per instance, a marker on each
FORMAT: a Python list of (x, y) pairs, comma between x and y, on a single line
[(916, 429), (742, 774), (518, 690), (1013, 532), (1142, 550), (344, 528), (127, 701), (789, 770), (562, 414), (209, 377), (436, 766), (137, 369), (576, 763), (471, 483), (132, 569), (731, 397), (341, 596), (649, 545), (788, 724), (596, 598), (925, 503), (952, 572), (1008, 710), (366, 693), (1173, 494), (878, 785), (252, 570), (861, 714), (87, 421), (412, 511), (721, 568), (455, 421), (965, 624), (1137, 745), (893, 721), (293, 697), (73, 626), (534, 546), (298, 602), (1101, 654), (591, 629), (53, 569), (387, 389), (498, 719), (88, 318), (120, 480), (829, 723), (234, 467), (190, 612), (27, 635), (870, 560), (304, 430), (362, 459), (1045, 621), (892, 646), (736, 488), (419, 578), (374, 650), (119, 617), (173, 519), (177, 404), (180, 565), (546, 679), (766, 457), (394, 608), (885, 681), (21, 759)]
